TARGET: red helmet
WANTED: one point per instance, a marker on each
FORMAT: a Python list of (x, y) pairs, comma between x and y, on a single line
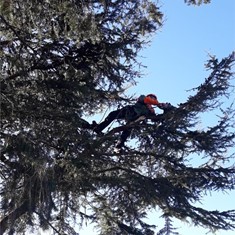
[(152, 96)]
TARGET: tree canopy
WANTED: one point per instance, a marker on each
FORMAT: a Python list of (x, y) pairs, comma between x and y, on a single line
[(64, 60)]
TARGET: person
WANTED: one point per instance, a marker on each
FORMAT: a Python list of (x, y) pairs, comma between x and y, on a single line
[(131, 113)]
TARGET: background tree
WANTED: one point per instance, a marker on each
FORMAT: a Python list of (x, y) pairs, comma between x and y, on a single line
[(63, 60), (168, 229), (197, 2)]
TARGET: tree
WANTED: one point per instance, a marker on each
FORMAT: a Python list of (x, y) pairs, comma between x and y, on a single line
[(197, 2), (168, 229), (64, 60)]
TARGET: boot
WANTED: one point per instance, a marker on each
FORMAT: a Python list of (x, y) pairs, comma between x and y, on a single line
[(97, 128), (93, 124)]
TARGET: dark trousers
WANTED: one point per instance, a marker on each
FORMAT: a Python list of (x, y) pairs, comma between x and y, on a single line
[(123, 113)]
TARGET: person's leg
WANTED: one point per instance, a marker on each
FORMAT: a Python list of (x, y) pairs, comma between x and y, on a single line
[(132, 117), (84, 124), (117, 114), (125, 134)]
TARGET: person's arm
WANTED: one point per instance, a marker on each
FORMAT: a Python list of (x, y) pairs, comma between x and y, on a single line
[(151, 101), (165, 106), (162, 105)]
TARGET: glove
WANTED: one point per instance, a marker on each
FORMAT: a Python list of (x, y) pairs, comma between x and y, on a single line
[(167, 107)]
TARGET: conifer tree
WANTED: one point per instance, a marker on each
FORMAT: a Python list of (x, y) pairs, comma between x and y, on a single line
[(62, 61), (168, 228), (197, 2)]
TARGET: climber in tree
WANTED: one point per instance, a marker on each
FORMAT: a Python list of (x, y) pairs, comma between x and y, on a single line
[(131, 113)]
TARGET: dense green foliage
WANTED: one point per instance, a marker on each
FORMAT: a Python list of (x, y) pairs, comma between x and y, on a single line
[(64, 60)]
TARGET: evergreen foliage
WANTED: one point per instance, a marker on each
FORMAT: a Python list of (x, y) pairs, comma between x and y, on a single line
[(197, 2), (168, 228), (64, 60)]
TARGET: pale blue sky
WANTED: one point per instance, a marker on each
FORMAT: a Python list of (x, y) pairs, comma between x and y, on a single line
[(175, 63), (178, 52)]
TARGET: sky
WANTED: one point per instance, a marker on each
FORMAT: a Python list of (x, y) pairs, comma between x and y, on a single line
[(175, 64)]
